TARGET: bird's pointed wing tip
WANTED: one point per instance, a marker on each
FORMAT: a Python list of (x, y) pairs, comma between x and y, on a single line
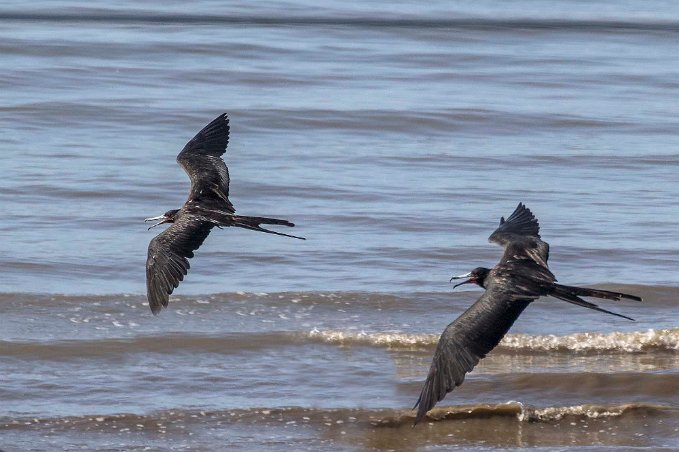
[(223, 118), (521, 222)]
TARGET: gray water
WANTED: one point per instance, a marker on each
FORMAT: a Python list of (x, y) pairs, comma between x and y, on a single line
[(394, 135)]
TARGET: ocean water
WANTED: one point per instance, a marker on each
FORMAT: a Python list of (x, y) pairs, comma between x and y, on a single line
[(395, 135)]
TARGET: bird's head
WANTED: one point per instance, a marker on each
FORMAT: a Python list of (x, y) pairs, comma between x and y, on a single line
[(476, 276), (167, 217)]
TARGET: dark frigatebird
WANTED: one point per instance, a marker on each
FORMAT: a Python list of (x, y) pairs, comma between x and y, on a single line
[(208, 206), (521, 277)]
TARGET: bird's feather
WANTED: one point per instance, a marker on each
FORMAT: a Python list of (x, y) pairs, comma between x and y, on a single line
[(466, 341), (201, 158), (520, 236), (168, 257), (521, 222)]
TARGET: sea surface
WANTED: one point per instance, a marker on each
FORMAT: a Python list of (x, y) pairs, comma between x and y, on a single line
[(395, 134)]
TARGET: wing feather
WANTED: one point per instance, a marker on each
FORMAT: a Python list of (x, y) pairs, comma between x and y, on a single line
[(466, 341), (520, 237), (201, 158), (521, 222), (168, 258)]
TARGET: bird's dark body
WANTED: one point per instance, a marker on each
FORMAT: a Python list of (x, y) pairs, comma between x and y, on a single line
[(521, 277), (208, 206)]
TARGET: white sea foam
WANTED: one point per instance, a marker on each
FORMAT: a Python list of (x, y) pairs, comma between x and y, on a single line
[(637, 341), (586, 411), (387, 339)]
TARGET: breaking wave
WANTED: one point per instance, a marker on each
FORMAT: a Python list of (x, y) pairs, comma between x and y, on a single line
[(233, 343), (629, 342)]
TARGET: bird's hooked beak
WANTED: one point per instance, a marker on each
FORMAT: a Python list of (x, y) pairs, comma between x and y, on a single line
[(466, 275), (162, 218)]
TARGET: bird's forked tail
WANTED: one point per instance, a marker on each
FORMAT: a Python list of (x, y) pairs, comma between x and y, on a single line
[(254, 223), (572, 294)]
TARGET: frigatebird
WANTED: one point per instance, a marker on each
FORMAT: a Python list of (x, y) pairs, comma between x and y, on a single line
[(208, 206), (521, 277)]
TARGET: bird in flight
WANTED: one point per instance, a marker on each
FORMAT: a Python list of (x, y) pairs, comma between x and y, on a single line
[(521, 277), (208, 206)]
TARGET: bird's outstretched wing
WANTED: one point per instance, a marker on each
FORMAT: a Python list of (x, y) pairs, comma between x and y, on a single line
[(520, 236), (466, 341), (201, 158), (168, 258)]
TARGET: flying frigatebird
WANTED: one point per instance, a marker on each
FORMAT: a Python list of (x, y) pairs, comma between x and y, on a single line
[(208, 206), (521, 277)]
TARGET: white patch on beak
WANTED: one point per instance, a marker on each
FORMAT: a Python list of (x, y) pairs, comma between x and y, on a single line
[(163, 219), (160, 217), (466, 275)]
